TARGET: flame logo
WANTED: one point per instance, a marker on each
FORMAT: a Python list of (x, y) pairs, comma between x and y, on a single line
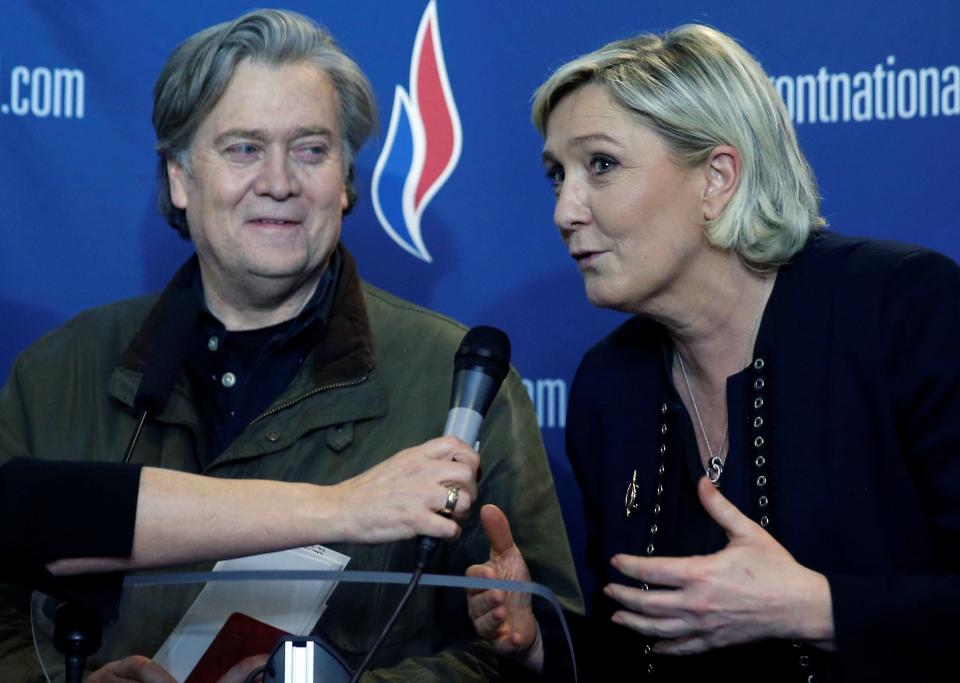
[(423, 142)]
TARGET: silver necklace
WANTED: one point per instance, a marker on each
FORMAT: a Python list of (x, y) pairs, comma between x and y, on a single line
[(714, 466)]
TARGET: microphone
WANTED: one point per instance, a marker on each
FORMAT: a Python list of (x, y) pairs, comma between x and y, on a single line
[(479, 366), (175, 320)]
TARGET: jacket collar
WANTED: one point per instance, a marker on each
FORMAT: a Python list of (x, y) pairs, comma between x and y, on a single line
[(345, 352)]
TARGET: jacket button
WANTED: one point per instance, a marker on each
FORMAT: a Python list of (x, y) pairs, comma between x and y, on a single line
[(228, 380), (213, 343), (273, 437)]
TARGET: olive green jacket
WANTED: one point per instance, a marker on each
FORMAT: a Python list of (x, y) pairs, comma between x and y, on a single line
[(378, 382)]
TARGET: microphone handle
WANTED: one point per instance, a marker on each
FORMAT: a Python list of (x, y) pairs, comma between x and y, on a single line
[(464, 423)]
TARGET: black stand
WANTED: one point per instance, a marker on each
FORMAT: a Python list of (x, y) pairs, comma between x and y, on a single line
[(77, 634)]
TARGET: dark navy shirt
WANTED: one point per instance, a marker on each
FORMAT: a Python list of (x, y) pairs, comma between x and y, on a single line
[(238, 374)]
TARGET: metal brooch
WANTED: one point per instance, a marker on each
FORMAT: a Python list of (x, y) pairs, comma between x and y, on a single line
[(630, 498)]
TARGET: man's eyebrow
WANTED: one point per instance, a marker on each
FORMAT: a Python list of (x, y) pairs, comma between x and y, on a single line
[(580, 141), (259, 135), (311, 131), (242, 134)]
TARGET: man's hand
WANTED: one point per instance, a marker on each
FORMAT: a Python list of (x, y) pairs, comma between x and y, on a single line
[(134, 668), (751, 590), (400, 497), (143, 670), (504, 619)]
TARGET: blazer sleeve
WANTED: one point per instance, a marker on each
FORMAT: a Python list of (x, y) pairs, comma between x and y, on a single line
[(53, 510), (906, 624)]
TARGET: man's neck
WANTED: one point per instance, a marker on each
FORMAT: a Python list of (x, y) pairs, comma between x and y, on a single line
[(253, 308)]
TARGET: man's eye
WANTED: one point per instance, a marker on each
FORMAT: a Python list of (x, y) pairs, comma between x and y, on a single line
[(312, 153), (242, 150)]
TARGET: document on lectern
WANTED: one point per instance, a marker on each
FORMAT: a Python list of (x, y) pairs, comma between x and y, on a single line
[(291, 606)]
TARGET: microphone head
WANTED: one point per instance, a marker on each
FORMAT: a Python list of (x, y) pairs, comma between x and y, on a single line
[(486, 349)]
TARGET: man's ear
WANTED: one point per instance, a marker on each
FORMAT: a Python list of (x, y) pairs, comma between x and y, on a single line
[(177, 178), (722, 171)]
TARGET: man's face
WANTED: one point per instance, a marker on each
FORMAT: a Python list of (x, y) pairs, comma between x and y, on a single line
[(266, 193)]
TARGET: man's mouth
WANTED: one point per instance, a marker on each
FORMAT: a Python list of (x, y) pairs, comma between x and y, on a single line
[(274, 221)]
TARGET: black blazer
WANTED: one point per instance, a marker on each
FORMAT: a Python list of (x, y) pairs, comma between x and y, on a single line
[(54, 510), (859, 460)]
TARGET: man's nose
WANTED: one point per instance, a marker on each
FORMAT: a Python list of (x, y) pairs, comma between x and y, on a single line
[(278, 176)]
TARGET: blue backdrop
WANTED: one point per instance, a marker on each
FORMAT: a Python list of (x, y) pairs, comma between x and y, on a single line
[(873, 86)]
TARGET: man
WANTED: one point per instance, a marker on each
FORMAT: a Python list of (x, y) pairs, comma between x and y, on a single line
[(293, 369)]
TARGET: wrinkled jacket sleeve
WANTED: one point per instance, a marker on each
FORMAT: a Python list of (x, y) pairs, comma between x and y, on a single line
[(898, 624)]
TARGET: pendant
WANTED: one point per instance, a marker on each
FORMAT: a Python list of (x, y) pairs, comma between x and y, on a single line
[(630, 498), (714, 469)]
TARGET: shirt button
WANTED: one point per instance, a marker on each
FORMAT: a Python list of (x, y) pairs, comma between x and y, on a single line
[(213, 343), (228, 379)]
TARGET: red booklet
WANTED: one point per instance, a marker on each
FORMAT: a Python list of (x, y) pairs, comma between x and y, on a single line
[(240, 637)]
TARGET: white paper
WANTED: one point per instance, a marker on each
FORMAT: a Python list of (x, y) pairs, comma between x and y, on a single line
[(292, 606)]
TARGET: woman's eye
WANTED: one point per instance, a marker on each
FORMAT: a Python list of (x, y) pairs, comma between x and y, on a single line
[(601, 164), (555, 175)]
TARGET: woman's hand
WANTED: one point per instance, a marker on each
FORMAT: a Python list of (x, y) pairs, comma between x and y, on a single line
[(399, 498), (751, 590), (505, 619)]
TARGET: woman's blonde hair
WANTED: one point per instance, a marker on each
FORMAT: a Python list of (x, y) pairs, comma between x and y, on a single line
[(697, 88)]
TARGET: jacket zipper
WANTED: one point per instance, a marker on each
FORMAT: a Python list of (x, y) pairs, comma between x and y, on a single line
[(343, 384)]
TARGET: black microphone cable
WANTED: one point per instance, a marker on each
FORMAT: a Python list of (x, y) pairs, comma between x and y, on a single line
[(479, 366), (175, 322)]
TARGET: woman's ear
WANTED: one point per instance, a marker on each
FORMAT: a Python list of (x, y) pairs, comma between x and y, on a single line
[(722, 169)]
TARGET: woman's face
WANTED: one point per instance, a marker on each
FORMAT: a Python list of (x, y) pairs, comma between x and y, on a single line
[(631, 217)]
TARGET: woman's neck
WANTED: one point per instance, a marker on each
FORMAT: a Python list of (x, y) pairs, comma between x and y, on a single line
[(714, 323)]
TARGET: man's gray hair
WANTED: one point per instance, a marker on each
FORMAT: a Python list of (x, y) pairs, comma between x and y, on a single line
[(697, 88), (199, 70)]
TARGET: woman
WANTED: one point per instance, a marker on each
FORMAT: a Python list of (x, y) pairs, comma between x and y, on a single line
[(769, 450)]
